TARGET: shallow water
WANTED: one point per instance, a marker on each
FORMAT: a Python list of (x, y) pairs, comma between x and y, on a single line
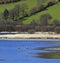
[(29, 51)]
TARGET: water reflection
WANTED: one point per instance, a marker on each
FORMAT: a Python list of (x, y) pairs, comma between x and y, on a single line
[(52, 48), (49, 55), (52, 52)]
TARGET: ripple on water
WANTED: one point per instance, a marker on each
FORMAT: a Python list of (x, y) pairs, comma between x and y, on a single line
[(2, 60)]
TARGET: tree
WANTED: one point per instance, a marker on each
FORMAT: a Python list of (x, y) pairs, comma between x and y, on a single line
[(32, 11), (12, 14), (41, 5), (17, 11), (3, 24), (23, 9), (53, 1), (6, 14), (44, 20)]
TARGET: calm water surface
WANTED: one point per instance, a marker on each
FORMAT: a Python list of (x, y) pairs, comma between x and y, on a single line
[(29, 51)]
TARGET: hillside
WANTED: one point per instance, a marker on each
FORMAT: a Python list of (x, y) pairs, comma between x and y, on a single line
[(54, 11), (38, 13)]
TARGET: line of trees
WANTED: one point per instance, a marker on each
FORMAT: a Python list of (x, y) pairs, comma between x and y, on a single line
[(42, 25)]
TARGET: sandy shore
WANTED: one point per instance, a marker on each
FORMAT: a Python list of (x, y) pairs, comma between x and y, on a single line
[(30, 36)]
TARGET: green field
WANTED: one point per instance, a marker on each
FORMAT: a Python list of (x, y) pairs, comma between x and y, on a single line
[(53, 10)]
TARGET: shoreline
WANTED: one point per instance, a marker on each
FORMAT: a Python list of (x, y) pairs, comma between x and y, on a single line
[(30, 36), (33, 39)]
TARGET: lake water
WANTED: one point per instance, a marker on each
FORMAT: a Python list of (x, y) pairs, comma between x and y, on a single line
[(29, 51)]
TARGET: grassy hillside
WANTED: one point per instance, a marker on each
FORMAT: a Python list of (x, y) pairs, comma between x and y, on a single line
[(53, 10)]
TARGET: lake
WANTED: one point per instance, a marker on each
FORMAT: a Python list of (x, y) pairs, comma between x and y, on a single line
[(30, 51)]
